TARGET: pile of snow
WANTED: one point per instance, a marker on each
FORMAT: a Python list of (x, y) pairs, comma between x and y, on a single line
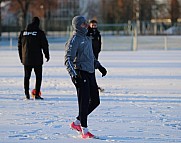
[(173, 30)]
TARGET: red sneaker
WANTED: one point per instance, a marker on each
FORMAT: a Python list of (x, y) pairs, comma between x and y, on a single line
[(33, 93), (75, 127), (87, 135)]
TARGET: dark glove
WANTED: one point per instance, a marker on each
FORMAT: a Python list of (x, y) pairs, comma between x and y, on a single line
[(76, 80), (102, 70), (48, 58)]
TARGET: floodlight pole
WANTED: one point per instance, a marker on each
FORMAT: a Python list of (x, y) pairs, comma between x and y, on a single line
[(135, 39), (165, 43), (136, 27)]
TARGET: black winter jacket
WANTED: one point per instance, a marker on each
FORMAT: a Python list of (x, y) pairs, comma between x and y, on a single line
[(96, 40), (31, 42)]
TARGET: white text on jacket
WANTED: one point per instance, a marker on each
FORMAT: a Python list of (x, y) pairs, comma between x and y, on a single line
[(29, 33)]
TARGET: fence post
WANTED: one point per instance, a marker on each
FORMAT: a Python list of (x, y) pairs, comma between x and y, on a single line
[(11, 42), (135, 39), (165, 43)]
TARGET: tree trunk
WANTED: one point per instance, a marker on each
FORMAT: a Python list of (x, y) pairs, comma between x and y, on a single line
[(24, 9)]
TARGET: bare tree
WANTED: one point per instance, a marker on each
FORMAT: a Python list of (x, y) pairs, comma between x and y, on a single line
[(43, 9), (174, 11), (112, 11), (146, 9), (127, 10), (93, 10), (22, 5), (40, 8), (118, 11), (145, 12)]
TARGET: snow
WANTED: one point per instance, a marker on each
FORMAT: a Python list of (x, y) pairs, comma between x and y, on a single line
[(141, 102)]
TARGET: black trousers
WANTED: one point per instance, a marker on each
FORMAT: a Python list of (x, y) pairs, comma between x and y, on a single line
[(88, 96), (96, 54), (27, 75)]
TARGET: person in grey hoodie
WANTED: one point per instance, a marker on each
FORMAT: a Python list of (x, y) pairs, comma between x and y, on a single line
[(81, 65)]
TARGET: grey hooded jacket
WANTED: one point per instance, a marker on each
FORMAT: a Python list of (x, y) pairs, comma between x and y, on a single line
[(78, 50)]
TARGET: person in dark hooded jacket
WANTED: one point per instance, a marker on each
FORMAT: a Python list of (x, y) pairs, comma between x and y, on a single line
[(81, 65), (31, 42), (95, 35)]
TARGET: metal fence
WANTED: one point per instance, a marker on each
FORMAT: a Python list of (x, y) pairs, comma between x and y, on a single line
[(109, 42)]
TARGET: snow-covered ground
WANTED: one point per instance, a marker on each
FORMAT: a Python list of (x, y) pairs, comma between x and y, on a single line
[(141, 102)]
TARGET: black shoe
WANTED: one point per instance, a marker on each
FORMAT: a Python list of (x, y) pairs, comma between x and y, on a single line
[(37, 97), (27, 95)]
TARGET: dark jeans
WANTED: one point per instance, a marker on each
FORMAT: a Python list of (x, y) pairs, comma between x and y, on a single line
[(88, 96), (38, 74)]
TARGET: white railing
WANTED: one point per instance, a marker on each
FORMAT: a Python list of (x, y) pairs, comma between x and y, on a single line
[(132, 42)]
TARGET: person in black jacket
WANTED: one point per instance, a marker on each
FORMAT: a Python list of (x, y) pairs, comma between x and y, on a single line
[(31, 42), (95, 35)]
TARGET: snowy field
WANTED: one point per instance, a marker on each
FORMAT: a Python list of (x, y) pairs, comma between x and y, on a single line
[(141, 102)]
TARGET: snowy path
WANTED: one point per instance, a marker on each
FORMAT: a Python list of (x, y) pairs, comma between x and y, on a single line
[(141, 102)]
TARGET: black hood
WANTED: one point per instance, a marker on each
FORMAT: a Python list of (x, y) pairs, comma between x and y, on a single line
[(36, 21), (34, 25)]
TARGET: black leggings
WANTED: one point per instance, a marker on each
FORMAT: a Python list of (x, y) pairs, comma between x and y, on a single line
[(88, 96), (38, 74)]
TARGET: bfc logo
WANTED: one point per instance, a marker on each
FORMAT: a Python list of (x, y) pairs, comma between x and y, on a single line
[(29, 33)]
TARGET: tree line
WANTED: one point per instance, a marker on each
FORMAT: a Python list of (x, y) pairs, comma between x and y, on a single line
[(106, 11)]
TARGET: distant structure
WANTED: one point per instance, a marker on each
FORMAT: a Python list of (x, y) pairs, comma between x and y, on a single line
[(66, 10)]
